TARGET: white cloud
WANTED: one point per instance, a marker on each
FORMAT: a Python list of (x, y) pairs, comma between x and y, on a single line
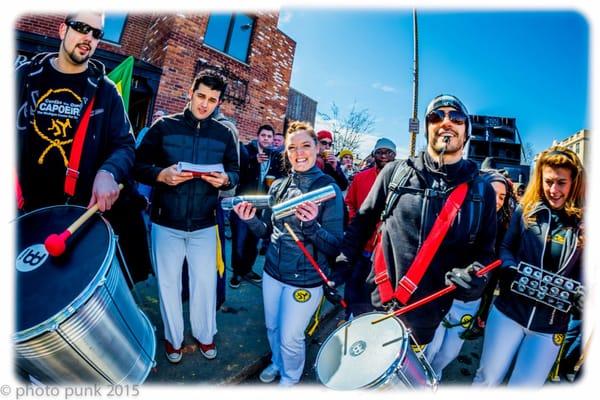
[(384, 88), (285, 17)]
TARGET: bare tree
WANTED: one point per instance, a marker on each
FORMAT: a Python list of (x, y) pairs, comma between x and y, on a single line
[(347, 131)]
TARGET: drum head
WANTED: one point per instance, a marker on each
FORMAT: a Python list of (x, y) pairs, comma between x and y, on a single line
[(372, 352), (46, 285)]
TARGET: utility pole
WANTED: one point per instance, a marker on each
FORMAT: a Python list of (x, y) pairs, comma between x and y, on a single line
[(413, 123)]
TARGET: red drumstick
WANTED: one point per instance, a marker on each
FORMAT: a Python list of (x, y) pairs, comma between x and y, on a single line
[(312, 260), (437, 294), (56, 244)]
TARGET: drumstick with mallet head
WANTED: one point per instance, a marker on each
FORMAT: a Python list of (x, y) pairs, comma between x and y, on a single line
[(435, 295), (56, 244), (312, 261)]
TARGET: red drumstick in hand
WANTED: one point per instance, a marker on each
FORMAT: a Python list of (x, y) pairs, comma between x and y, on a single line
[(437, 294), (56, 244), (312, 261)]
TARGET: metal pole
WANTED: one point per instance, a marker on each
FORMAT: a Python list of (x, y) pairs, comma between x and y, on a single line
[(414, 122)]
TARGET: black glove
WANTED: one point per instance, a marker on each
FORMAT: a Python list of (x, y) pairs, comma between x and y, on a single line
[(579, 299), (468, 285), (331, 294)]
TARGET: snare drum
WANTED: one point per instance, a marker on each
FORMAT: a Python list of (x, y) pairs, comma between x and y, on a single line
[(359, 355), (76, 321)]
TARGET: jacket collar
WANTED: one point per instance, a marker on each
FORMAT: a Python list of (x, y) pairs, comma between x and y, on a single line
[(95, 68), (192, 120), (306, 178), (462, 171)]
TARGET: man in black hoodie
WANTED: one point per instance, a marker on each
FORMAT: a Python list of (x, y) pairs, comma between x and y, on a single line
[(428, 180), (54, 90)]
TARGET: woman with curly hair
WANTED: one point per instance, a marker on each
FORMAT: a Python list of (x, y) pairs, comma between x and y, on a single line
[(546, 233)]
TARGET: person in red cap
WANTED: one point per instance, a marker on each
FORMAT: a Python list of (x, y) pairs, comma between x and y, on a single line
[(327, 161)]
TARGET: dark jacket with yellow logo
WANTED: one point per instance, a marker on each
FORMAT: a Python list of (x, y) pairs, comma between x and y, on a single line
[(528, 243)]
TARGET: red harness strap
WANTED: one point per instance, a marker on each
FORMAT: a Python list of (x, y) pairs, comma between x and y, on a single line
[(76, 149), (19, 193), (409, 282)]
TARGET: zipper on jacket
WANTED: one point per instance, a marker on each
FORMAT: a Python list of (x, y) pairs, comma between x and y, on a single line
[(541, 264), (531, 317)]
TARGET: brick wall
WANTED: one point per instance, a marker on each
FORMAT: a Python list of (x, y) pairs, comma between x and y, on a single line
[(174, 43)]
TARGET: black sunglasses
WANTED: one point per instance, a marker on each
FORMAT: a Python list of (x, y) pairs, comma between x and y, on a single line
[(325, 143), (84, 28), (456, 117)]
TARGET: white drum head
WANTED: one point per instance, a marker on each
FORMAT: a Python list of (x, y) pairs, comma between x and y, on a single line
[(372, 352)]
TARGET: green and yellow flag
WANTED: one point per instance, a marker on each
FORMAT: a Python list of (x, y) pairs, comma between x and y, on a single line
[(121, 76)]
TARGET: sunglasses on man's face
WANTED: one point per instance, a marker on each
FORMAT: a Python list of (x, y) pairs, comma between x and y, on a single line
[(84, 28), (325, 143), (456, 117)]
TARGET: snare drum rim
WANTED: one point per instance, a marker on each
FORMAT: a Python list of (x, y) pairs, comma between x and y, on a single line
[(385, 375), (53, 322)]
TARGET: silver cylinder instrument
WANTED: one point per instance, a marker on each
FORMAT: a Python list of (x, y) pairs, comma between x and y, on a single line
[(288, 207), (258, 201)]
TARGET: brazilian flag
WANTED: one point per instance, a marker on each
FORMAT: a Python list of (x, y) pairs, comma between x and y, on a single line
[(121, 76)]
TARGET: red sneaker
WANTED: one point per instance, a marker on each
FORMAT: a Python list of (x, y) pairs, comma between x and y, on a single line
[(209, 351), (173, 354)]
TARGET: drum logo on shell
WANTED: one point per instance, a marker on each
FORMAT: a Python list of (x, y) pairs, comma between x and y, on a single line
[(358, 348), (31, 258)]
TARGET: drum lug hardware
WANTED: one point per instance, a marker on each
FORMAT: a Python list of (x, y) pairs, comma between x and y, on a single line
[(54, 327), (102, 282)]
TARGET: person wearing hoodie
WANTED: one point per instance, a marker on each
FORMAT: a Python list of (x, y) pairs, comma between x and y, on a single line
[(461, 318), (54, 91), (183, 211), (292, 288), (427, 181)]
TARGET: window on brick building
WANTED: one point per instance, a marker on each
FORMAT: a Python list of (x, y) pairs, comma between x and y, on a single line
[(230, 33), (114, 25)]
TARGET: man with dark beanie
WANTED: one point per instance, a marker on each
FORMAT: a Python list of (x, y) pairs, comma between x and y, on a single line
[(423, 185)]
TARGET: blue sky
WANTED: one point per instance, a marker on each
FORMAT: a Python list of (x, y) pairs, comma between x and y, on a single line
[(530, 65)]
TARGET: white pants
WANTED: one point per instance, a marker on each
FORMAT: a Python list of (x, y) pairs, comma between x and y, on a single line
[(446, 343), (503, 339), (287, 313), (169, 248)]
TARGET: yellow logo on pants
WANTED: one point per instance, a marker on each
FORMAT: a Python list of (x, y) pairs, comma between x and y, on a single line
[(558, 338), (465, 320), (301, 295)]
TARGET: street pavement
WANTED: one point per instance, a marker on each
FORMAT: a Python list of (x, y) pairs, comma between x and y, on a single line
[(242, 345)]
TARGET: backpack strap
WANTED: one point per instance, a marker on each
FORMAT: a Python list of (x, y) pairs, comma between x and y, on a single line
[(475, 208), (399, 178)]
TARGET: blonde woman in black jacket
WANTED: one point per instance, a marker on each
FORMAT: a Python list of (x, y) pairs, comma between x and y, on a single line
[(545, 232)]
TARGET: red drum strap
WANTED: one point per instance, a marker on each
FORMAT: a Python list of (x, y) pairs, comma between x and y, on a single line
[(76, 149)]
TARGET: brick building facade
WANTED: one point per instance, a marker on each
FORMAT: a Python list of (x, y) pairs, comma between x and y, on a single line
[(170, 49)]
